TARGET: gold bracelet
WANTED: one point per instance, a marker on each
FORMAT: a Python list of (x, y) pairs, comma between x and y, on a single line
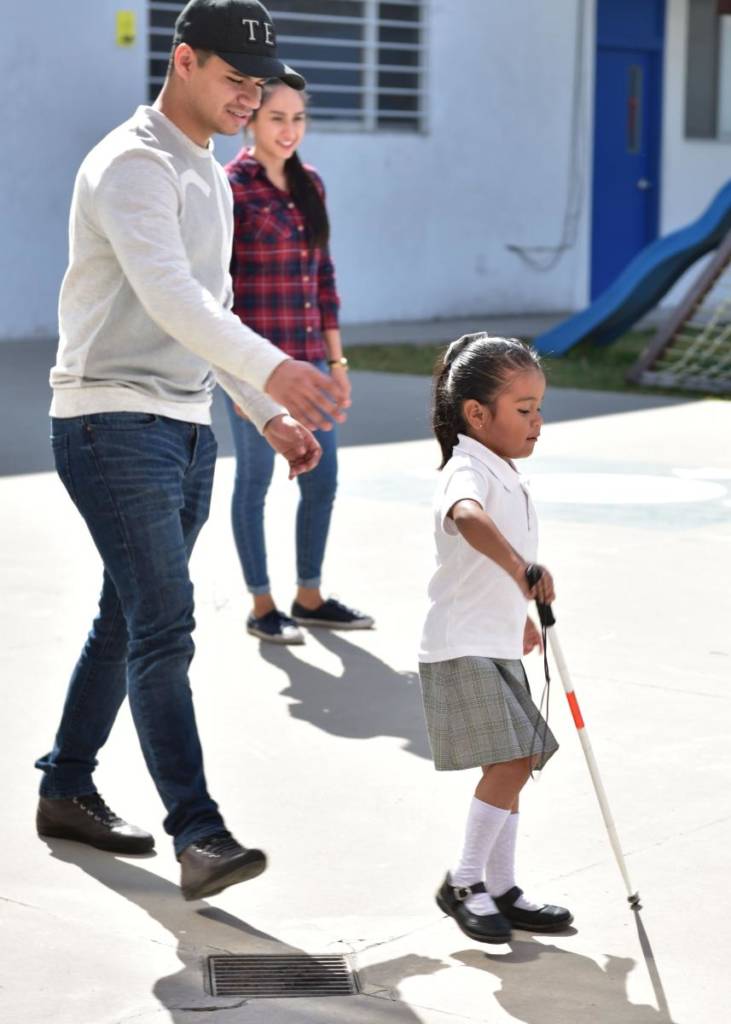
[(342, 361)]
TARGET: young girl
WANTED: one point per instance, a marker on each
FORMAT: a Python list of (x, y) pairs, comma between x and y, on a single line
[(284, 287), (479, 712)]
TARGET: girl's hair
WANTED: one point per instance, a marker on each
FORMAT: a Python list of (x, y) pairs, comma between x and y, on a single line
[(475, 366), (305, 193)]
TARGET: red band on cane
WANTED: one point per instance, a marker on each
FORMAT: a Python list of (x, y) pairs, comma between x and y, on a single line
[(575, 712)]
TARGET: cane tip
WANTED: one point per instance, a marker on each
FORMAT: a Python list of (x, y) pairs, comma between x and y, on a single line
[(634, 901)]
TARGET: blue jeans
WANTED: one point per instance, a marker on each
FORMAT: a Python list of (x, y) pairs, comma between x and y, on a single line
[(254, 468), (143, 485)]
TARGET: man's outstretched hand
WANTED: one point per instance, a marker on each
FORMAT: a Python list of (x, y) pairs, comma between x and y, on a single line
[(290, 439), (312, 397)]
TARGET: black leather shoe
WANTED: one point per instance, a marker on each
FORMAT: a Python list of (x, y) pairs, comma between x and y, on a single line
[(211, 864), (87, 819), (481, 927), (547, 919)]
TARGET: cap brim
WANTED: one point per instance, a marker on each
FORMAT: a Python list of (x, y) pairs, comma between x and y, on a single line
[(263, 67)]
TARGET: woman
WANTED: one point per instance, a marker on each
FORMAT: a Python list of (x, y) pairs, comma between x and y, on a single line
[(284, 287)]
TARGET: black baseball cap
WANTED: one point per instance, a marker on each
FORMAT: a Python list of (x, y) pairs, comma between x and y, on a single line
[(241, 32)]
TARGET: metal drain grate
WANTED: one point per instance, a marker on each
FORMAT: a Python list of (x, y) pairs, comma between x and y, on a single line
[(281, 976)]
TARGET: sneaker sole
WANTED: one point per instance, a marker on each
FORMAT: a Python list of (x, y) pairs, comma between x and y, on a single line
[(497, 940), (286, 641), (243, 873), (324, 624)]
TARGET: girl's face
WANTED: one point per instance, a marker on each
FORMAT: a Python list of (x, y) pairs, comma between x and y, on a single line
[(512, 427), (279, 124)]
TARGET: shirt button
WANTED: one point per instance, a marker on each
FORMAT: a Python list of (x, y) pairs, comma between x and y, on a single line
[(308, 305), (300, 228), (309, 330), (304, 252), (290, 206), (305, 278)]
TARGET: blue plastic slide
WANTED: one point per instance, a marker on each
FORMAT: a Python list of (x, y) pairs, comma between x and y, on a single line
[(642, 283)]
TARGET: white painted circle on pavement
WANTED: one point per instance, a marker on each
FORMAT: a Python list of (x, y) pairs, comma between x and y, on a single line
[(620, 489)]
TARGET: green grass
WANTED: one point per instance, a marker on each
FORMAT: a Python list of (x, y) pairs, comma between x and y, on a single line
[(597, 368), (600, 369)]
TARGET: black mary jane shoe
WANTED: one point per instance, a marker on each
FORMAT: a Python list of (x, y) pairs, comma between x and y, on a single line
[(481, 927), (546, 919)]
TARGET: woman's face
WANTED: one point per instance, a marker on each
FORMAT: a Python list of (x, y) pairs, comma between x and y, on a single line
[(279, 124)]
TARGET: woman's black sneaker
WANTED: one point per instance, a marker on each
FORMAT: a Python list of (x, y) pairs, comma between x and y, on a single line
[(492, 928), (331, 614), (546, 919), (275, 627)]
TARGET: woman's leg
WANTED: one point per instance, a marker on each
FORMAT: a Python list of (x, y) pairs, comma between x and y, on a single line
[(254, 468), (317, 496)]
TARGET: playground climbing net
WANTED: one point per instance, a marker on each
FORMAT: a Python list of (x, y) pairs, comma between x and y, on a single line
[(692, 351)]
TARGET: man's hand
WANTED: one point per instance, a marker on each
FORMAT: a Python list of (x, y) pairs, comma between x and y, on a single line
[(312, 397), (290, 439)]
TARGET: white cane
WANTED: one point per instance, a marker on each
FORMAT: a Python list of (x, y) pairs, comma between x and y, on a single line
[(548, 623)]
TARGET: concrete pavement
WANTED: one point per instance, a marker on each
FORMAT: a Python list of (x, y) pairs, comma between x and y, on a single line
[(319, 753)]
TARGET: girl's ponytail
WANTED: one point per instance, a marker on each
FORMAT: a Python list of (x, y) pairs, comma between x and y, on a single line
[(475, 366), (447, 422)]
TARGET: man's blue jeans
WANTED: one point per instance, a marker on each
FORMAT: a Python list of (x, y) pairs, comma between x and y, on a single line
[(143, 485), (254, 468)]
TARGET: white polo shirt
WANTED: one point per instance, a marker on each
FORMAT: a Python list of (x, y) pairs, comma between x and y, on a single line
[(475, 607)]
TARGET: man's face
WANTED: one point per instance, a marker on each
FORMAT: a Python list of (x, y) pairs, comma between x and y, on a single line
[(221, 97)]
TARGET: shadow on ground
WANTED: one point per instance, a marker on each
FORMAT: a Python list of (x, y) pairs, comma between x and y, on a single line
[(368, 699), (544, 984), (201, 930)]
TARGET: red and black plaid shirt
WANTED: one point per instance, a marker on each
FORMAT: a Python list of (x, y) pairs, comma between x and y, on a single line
[(283, 288)]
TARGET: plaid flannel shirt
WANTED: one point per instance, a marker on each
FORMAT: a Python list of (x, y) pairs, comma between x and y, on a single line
[(283, 288)]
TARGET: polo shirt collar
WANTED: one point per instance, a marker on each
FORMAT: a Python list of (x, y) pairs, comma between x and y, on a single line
[(508, 476)]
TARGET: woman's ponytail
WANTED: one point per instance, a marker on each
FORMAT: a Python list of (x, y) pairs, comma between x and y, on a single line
[(308, 200)]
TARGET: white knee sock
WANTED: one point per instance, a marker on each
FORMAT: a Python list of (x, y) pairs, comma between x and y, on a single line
[(484, 823), (500, 868)]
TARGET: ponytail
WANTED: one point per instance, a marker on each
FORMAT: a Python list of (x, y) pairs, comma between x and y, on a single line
[(308, 200), (475, 366)]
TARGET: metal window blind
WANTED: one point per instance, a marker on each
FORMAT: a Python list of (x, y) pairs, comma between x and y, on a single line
[(363, 59)]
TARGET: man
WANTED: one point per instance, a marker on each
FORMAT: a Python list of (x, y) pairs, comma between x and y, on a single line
[(145, 333)]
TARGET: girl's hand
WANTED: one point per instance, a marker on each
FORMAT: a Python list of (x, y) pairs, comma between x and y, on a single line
[(543, 591), (531, 637), (341, 379)]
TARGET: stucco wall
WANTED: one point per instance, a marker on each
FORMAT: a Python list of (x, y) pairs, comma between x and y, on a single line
[(421, 222), (65, 84)]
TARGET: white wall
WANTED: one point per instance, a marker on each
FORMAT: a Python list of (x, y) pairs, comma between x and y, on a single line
[(65, 84), (693, 170), (421, 222)]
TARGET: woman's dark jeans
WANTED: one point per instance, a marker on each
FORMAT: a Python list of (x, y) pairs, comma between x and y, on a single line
[(143, 485)]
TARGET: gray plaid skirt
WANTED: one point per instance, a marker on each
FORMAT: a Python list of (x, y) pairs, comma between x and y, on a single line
[(479, 711)]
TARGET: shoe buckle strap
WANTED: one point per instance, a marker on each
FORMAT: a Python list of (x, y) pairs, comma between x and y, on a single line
[(463, 892)]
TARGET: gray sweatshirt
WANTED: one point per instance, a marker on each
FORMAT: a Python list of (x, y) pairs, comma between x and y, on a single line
[(144, 312)]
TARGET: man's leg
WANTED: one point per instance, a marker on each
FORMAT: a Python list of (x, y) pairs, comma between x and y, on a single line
[(96, 690), (127, 474)]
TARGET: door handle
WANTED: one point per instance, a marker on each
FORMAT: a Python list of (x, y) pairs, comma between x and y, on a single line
[(643, 184)]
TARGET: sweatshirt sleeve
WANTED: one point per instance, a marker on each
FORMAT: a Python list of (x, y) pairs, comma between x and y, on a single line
[(258, 407), (136, 204)]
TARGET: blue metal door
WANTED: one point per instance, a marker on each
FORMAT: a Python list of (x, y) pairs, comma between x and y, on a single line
[(626, 134)]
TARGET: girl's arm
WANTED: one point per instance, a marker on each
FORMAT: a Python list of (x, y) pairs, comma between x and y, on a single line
[(334, 347), (478, 529)]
